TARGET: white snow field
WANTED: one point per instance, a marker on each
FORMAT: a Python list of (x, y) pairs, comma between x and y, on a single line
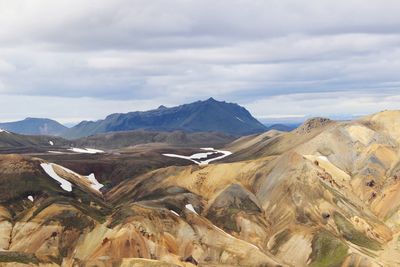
[(174, 212), (66, 185), (95, 184), (85, 150), (197, 158), (190, 207), (48, 168), (92, 179)]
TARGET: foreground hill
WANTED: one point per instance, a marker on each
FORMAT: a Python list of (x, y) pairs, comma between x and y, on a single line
[(200, 116), (53, 216), (325, 194), (34, 126)]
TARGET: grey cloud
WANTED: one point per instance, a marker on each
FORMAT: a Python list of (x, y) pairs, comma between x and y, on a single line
[(183, 50), (141, 24)]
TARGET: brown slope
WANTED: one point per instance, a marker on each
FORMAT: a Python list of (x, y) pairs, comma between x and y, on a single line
[(323, 195)]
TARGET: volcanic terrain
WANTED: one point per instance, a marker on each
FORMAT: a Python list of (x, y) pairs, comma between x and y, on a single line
[(325, 194)]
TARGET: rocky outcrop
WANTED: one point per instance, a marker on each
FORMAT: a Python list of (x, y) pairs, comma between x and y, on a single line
[(311, 124)]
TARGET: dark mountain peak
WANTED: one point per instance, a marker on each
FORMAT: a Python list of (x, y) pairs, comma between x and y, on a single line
[(209, 115), (214, 101), (162, 107)]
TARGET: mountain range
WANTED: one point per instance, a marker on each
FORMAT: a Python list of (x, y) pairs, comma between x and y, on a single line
[(201, 116), (324, 194)]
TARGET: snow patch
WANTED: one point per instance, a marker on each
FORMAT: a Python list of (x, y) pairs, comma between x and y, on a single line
[(95, 184), (201, 155), (196, 158), (30, 198), (4, 131), (239, 119), (64, 184), (85, 150), (190, 207), (51, 143), (174, 212), (92, 179), (207, 148), (55, 152)]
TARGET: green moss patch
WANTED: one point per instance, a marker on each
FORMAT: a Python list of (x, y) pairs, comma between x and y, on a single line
[(327, 250), (20, 257), (351, 234)]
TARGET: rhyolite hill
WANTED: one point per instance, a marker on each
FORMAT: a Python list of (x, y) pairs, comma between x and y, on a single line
[(325, 194)]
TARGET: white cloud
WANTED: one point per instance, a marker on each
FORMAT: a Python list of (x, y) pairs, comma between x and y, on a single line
[(129, 54), (325, 104), (68, 110)]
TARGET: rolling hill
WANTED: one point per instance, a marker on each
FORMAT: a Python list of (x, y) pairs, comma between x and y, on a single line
[(115, 140), (10, 140)]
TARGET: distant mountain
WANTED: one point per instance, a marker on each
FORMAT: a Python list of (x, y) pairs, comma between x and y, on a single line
[(34, 126), (200, 116)]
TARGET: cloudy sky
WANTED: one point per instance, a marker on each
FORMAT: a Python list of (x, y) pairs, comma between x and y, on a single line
[(81, 59)]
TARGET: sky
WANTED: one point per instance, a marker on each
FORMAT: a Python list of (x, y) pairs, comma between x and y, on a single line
[(281, 59)]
